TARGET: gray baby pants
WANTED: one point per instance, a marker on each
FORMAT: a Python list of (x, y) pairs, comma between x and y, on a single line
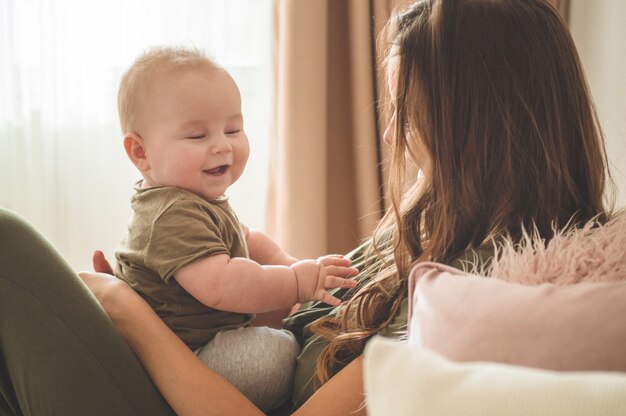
[(259, 361)]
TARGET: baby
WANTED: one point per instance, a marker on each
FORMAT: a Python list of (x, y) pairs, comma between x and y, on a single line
[(186, 253)]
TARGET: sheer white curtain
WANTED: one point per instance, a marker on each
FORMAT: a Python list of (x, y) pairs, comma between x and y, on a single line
[(62, 164)]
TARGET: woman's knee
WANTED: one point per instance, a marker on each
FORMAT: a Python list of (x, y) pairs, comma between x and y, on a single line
[(15, 234), (11, 225)]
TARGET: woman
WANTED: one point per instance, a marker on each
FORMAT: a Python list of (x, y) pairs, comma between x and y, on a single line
[(488, 99)]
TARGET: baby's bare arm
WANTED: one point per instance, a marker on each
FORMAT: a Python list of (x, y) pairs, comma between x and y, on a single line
[(264, 250), (238, 284), (242, 285)]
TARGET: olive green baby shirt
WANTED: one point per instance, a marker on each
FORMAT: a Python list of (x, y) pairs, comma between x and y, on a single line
[(171, 228)]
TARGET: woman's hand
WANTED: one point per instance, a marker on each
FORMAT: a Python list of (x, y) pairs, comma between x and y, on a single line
[(112, 293)]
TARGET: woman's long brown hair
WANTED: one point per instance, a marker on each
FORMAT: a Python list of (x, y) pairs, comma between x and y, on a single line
[(493, 92)]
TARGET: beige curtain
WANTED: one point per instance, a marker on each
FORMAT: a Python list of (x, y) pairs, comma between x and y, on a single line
[(325, 177)]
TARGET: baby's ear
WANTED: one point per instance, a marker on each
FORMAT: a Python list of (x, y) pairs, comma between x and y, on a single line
[(133, 144)]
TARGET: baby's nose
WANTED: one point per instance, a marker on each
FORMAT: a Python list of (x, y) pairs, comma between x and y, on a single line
[(221, 145)]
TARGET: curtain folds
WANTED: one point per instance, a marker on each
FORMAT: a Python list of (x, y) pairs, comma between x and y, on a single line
[(325, 191)]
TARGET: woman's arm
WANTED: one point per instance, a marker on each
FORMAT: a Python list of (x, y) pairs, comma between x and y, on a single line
[(342, 395), (189, 386)]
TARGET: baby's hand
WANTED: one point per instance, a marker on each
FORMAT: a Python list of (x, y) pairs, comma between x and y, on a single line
[(327, 272)]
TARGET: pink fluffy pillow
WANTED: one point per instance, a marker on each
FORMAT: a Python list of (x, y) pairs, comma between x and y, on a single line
[(593, 253), (471, 318)]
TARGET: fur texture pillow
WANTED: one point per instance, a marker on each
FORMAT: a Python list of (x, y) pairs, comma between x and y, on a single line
[(594, 253)]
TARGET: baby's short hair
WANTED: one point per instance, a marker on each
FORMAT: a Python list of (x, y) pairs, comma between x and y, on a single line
[(142, 72)]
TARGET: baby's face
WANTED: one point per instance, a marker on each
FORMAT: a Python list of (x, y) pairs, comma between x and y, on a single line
[(192, 131)]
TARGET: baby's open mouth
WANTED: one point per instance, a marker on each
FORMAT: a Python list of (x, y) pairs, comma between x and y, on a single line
[(220, 170)]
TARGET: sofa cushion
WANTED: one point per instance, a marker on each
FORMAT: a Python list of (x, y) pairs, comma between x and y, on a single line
[(401, 379), (472, 318)]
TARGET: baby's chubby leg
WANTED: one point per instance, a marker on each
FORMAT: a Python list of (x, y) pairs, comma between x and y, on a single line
[(259, 361)]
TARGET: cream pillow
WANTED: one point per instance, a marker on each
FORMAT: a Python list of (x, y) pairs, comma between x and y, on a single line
[(466, 317), (406, 380)]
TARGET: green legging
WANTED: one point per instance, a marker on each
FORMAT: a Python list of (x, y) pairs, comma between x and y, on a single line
[(59, 352)]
